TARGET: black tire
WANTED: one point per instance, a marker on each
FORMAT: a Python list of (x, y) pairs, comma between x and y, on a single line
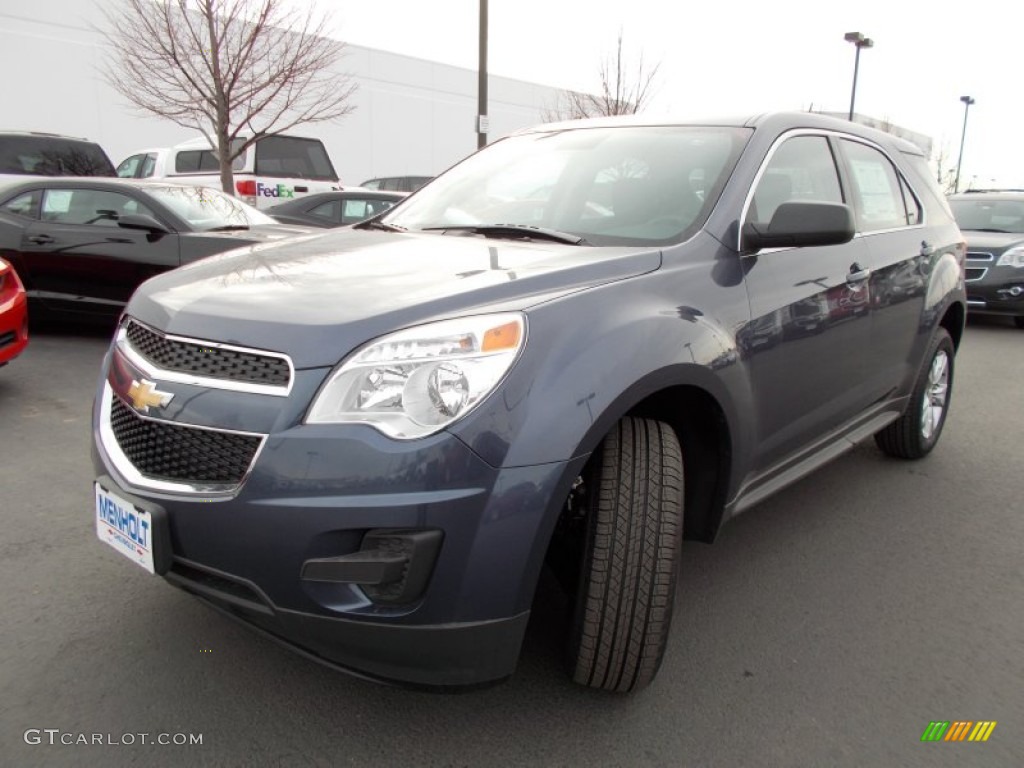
[(1019, 321), (630, 563), (909, 437)]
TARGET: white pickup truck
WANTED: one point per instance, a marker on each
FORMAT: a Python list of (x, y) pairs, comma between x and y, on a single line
[(271, 171)]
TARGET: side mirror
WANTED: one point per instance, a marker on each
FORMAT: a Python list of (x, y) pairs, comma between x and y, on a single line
[(142, 221), (801, 224)]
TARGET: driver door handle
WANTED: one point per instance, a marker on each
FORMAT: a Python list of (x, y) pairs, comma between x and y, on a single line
[(40, 239)]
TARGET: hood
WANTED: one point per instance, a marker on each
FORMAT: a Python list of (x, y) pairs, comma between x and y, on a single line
[(993, 241), (318, 297)]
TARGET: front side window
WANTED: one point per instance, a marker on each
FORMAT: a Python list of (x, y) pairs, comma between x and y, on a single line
[(93, 207), (875, 189), (148, 166), (801, 168), (632, 185), (129, 167)]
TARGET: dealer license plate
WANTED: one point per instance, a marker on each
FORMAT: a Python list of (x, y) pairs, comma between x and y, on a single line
[(125, 527)]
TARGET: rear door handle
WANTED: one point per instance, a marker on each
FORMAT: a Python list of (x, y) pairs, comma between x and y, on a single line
[(40, 239)]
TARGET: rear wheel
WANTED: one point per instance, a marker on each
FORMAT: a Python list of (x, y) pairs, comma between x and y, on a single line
[(633, 533), (917, 431)]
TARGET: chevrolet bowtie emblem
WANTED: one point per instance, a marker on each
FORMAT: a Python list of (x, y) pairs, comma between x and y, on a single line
[(144, 394)]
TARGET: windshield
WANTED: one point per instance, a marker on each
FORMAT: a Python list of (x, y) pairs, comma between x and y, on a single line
[(206, 209), (989, 215), (611, 186)]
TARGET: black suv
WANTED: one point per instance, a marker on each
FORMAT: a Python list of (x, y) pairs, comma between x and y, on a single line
[(993, 222), (48, 154), (573, 348)]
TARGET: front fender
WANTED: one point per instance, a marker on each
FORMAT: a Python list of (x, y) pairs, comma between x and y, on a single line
[(592, 356)]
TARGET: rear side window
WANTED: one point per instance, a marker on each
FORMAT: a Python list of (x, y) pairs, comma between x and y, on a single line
[(878, 190), (52, 156), (293, 158), (203, 161)]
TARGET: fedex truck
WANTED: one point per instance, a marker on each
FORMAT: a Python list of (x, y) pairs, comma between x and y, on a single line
[(271, 171)]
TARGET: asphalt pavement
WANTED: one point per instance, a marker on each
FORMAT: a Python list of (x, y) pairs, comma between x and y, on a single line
[(826, 627)]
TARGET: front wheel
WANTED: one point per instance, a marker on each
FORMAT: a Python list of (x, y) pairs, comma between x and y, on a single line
[(634, 531), (917, 431)]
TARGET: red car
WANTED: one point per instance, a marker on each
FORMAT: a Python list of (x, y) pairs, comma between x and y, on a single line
[(13, 314)]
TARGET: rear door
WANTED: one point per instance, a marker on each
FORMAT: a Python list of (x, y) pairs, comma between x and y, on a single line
[(80, 260), (898, 253)]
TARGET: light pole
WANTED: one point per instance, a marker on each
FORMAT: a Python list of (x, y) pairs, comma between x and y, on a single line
[(860, 42), (967, 100), (481, 88)]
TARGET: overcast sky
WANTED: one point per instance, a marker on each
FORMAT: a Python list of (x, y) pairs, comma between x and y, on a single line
[(741, 57)]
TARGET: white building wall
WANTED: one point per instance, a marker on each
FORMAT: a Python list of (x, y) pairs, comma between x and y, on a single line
[(412, 117)]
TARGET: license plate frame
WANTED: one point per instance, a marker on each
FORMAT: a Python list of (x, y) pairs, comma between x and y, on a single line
[(132, 527)]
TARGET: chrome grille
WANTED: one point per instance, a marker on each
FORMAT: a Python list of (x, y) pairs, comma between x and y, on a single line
[(184, 454), (208, 361)]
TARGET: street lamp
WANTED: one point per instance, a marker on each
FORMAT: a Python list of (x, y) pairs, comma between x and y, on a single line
[(967, 100), (860, 42)]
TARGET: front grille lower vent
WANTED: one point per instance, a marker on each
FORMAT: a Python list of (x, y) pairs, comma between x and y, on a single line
[(207, 361), (192, 455)]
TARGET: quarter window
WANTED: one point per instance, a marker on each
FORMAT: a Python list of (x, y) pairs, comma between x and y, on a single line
[(26, 204), (877, 190)]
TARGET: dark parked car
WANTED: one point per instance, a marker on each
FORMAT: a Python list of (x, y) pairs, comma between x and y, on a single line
[(13, 314), (84, 245), (396, 183), (367, 444), (48, 154), (993, 223), (334, 209)]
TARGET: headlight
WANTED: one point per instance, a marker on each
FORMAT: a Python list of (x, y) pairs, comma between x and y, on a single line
[(1012, 258), (417, 381)]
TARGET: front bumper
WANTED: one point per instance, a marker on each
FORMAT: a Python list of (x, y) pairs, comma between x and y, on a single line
[(1000, 291), (317, 493)]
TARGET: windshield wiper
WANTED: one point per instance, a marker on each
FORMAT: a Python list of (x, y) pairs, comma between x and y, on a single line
[(228, 228), (989, 229), (374, 224), (514, 232)]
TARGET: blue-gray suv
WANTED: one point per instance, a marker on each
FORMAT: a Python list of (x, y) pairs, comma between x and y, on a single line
[(571, 349)]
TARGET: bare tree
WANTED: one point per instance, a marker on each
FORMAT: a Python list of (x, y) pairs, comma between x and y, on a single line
[(624, 90), (235, 70)]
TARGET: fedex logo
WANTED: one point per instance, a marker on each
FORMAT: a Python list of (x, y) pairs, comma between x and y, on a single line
[(277, 190)]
